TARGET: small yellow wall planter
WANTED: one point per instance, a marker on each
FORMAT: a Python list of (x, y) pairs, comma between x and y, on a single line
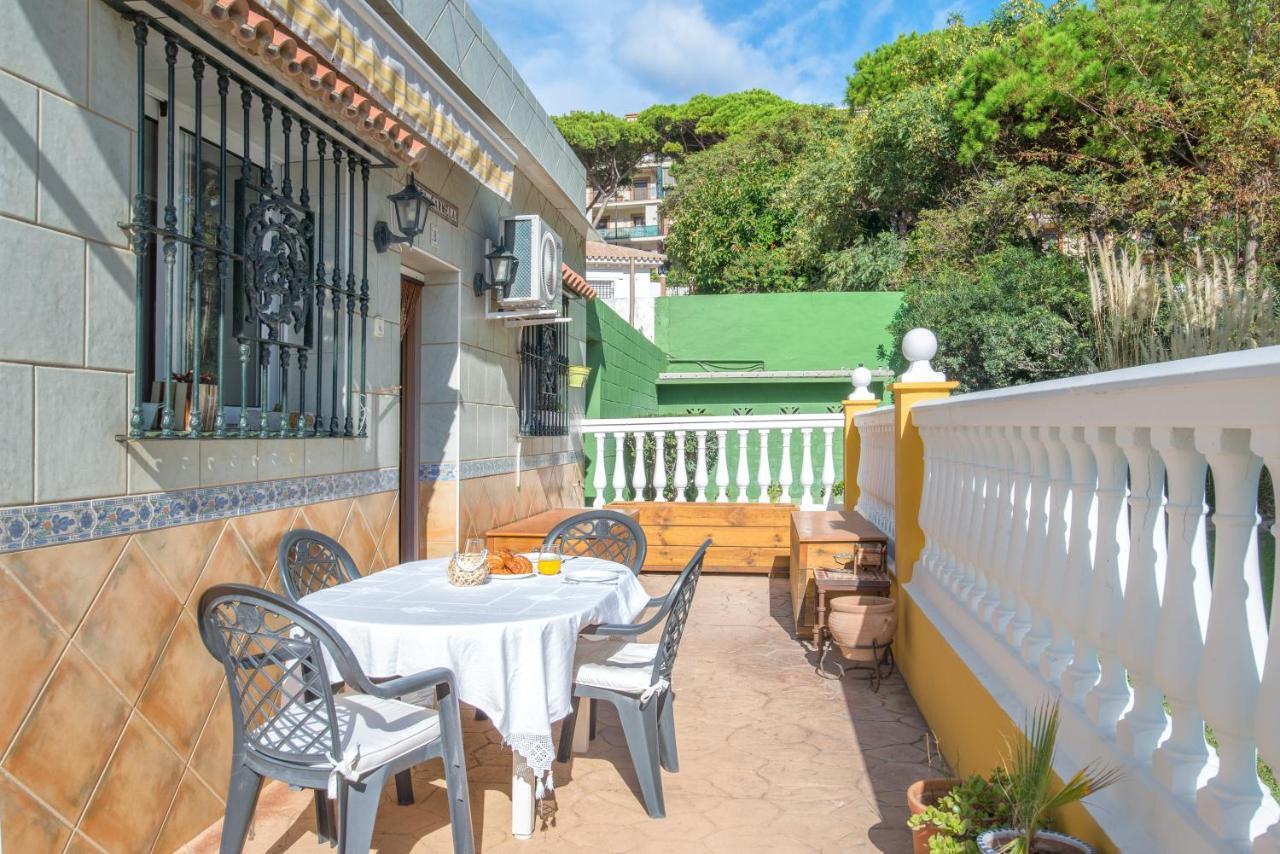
[(578, 376)]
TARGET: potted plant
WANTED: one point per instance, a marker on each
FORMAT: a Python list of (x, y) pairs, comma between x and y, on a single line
[(1030, 796), (947, 814), (578, 376)]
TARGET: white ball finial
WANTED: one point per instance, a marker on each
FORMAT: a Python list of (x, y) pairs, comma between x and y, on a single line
[(919, 346), (861, 378)]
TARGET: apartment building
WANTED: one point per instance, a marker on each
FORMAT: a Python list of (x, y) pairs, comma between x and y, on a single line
[(633, 217)]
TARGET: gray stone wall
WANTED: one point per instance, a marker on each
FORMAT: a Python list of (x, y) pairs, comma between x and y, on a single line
[(67, 281)]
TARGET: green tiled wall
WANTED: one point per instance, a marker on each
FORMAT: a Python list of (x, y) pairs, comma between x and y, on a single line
[(624, 367)]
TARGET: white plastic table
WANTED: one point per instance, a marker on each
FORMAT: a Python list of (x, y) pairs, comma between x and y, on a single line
[(509, 642)]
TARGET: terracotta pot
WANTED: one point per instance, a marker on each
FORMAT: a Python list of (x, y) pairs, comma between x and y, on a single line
[(1046, 842), (922, 794), (859, 621)]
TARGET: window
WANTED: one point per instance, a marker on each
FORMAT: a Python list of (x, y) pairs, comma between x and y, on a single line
[(544, 378), (640, 190), (252, 292), (637, 220), (603, 289)]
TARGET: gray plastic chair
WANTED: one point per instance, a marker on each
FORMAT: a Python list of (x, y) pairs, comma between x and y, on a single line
[(606, 534), (289, 725), (636, 679), (310, 561)]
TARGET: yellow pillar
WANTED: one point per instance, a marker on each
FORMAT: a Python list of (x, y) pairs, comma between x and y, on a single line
[(853, 448), (908, 483)]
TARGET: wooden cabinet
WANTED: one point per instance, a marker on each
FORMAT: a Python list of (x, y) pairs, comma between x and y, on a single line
[(817, 536)]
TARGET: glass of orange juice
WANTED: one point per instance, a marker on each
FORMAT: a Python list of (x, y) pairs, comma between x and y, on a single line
[(549, 560)]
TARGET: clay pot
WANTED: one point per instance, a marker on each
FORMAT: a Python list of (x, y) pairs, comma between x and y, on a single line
[(858, 621), (1046, 842), (922, 794)]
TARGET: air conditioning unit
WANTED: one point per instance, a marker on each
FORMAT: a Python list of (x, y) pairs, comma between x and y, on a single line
[(540, 252)]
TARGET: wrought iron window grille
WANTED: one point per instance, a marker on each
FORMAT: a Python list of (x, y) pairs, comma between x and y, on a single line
[(239, 261), (544, 378)]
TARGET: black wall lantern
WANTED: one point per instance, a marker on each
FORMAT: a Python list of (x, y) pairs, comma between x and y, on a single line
[(502, 264), (411, 206)]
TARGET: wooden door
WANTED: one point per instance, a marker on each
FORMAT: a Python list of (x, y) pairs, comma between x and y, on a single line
[(410, 364)]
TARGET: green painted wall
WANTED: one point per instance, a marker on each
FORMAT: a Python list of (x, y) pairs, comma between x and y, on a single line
[(778, 332), (624, 367)]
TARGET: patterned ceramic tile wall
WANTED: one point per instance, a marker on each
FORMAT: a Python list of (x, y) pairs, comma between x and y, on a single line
[(114, 722), (487, 502)]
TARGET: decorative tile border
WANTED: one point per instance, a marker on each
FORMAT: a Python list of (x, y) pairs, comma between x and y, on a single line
[(49, 524), (469, 469)]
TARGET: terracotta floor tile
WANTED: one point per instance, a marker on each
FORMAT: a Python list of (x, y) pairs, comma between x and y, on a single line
[(773, 759)]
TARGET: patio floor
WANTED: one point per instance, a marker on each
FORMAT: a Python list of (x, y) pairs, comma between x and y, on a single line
[(773, 758)]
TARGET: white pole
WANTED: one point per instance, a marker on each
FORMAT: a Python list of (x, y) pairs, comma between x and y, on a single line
[(682, 469), (722, 466), (762, 471), (659, 465)]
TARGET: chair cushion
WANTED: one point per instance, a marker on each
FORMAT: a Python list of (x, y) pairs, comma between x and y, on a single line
[(372, 731), (614, 665)]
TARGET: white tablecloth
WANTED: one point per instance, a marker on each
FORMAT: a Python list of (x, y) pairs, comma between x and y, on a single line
[(509, 642)]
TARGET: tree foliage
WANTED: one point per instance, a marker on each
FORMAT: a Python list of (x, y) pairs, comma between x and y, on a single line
[(705, 120), (730, 225), (609, 147)]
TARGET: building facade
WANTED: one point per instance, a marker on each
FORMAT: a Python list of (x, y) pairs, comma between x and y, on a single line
[(628, 280), (633, 217), (203, 347)]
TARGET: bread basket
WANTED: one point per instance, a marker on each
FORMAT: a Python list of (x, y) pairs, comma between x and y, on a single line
[(460, 577)]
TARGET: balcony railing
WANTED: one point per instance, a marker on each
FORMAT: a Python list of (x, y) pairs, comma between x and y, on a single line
[(1071, 550), (774, 458), (628, 232)]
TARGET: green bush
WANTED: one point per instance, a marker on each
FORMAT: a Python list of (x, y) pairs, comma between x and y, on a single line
[(974, 805)]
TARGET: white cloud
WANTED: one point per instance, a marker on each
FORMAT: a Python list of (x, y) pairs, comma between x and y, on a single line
[(622, 56), (692, 54)]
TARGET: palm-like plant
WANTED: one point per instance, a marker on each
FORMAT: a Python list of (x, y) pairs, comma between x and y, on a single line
[(1029, 786)]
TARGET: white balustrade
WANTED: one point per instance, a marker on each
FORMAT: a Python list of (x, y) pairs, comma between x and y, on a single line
[(722, 466), (763, 481), (682, 471), (598, 481), (729, 438), (659, 466), (619, 466), (1067, 551), (828, 465), (638, 477), (876, 467), (743, 479)]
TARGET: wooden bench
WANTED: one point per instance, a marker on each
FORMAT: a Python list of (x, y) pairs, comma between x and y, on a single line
[(817, 536), (528, 535)]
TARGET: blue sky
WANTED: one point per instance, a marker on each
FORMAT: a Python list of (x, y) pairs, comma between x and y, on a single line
[(621, 56)]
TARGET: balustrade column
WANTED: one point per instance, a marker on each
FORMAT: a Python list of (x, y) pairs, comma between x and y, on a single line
[(970, 581), (828, 465), (1017, 604), (722, 466), (1082, 673), (985, 605), (806, 467), (1110, 696), (952, 502), (1266, 443), (1007, 534), (619, 466), (743, 479), (598, 480), (1235, 637), (929, 522), (638, 475), (1036, 636), (1057, 654), (1141, 728), (700, 471), (659, 465), (784, 473), (682, 469), (763, 476), (1179, 762)]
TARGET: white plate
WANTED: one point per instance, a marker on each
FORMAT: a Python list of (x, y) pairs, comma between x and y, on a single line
[(500, 576), (591, 575)]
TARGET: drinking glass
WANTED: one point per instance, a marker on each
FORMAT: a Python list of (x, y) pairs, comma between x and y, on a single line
[(549, 560), (473, 553)]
